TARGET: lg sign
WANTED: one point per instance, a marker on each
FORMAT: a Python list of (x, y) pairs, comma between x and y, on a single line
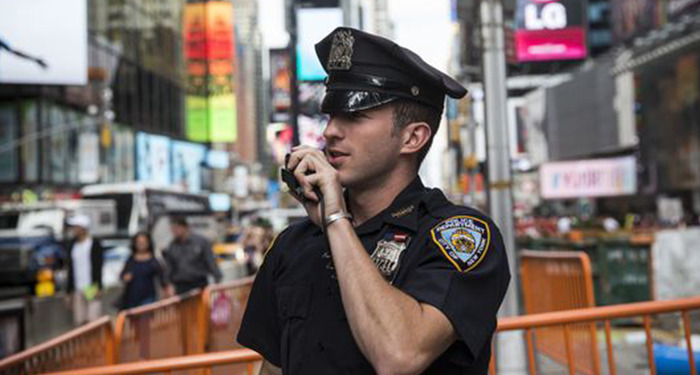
[(551, 16), (550, 30)]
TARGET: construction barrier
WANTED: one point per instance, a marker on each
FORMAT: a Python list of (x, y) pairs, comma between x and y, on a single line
[(558, 281), (225, 304), (172, 327), (602, 317), (205, 363), (86, 346)]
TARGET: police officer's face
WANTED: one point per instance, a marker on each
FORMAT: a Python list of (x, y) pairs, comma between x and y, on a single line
[(362, 146)]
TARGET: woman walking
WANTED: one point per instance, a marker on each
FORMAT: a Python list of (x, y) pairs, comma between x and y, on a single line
[(140, 273)]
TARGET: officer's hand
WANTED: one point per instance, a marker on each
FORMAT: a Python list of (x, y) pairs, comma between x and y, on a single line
[(311, 168)]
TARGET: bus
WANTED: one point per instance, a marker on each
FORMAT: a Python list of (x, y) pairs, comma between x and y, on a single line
[(146, 207)]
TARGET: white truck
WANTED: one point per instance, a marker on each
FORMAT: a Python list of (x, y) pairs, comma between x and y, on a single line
[(31, 235)]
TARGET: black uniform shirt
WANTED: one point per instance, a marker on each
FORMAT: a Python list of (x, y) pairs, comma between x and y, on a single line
[(448, 256)]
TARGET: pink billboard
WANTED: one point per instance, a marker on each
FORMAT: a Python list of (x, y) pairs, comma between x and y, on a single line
[(550, 30)]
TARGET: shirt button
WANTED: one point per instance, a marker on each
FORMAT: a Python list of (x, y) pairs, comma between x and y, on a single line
[(321, 348)]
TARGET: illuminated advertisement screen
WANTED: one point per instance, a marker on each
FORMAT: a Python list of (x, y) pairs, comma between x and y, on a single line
[(550, 30), (43, 42), (210, 54), (153, 155), (313, 25), (280, 82), (589, 178), (187, 160)]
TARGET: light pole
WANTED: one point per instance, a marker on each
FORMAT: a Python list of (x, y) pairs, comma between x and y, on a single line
[(510, 349)]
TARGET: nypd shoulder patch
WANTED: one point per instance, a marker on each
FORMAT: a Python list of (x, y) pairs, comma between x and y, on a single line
[(464, 240)]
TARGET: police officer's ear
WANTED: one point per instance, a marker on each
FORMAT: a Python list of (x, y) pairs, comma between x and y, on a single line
[(414, 137)]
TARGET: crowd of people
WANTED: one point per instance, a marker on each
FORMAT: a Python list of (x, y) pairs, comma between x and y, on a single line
[(186, 264)]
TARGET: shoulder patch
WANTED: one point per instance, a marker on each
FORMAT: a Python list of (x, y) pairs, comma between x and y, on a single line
[(464, 240)]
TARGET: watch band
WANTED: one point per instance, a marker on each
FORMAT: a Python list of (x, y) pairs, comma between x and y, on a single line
[(337, 216)]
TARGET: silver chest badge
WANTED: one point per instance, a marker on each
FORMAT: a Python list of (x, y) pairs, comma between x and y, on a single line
[(341, 51), (387, 254)]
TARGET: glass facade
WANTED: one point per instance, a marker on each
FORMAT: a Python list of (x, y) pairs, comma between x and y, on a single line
[(65, 136)]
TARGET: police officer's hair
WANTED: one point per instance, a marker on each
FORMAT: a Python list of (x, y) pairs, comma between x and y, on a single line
[(408, 111)]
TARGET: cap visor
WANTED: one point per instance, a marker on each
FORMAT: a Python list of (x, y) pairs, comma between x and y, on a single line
[(339, 101)]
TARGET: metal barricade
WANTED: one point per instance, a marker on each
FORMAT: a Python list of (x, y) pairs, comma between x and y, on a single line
[(225, 304), (557, 281), (647, 312), (86, 346), (168, 328), (200, 362)]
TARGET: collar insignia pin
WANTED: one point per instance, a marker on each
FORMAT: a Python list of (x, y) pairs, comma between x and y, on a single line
[(404, 211)]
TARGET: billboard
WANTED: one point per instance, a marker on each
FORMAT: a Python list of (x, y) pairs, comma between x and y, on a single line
[(210, 55), (589, 178), (280, 82), (43, 42), (550, 30), (153, 155), (313, 25), (311, 120), (187, 160), (631, 18)]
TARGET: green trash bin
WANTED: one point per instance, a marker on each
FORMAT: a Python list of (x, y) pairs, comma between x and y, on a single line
[(623, 271)]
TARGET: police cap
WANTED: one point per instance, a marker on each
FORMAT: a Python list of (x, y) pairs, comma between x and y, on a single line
[(366, 71)]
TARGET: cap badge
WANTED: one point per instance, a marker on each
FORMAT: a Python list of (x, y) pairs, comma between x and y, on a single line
[(341, 51)]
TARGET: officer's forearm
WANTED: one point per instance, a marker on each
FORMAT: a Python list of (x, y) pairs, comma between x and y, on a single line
[(387, 324)]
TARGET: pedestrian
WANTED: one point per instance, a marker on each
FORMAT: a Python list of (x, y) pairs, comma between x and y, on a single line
[(84, 255), (385, 275), (189, 259), (256, 240), (140, 273)]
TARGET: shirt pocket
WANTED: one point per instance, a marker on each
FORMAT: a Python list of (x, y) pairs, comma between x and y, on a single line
[(292, 309)]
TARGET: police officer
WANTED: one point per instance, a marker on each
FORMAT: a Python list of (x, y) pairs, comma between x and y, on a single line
[(393, 278)]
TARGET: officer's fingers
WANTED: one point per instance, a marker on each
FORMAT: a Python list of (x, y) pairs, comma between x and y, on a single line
[(300, 173), (298, 153), (313, 180), (319, 161)]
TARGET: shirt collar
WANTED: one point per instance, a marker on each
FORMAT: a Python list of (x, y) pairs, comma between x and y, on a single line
[(402, 212)]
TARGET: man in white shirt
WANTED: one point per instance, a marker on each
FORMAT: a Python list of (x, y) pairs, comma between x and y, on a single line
[(84, 271)]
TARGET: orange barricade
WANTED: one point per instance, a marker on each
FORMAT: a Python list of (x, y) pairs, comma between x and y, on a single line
[(200, 362), (557, 281), (603, 316), (86, 346), (225, 304), (168, 328)]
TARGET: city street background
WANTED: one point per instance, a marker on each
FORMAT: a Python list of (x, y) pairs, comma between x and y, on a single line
[(134, 112)]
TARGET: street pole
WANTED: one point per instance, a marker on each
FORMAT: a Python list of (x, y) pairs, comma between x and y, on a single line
[(510, 349), (291, 6)]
